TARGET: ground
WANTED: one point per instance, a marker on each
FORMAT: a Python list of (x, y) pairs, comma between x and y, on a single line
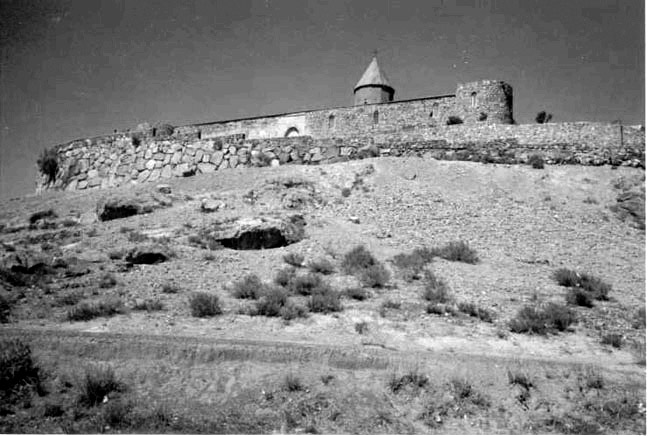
[(337, 372)]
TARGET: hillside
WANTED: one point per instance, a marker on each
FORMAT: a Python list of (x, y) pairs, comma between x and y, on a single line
[(398, 363)]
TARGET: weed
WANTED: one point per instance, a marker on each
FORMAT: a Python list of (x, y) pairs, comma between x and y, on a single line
[(294, 259), (308, 284), (16, 366), (596, 287), (151, 305), (107, 281), (536, 161), (86, 310), (48, 164), (291, 311), (70, 298), (292, 383), (520, 378), (613, 339), (579, 297), (345, 192), (541, 320), (170, 288), (285, 276), (322, 266), (325, 302), (436, 289), (413, 378), (35, 217), (204, 305), (356, 294), (98, 383), (272, 302), (457, 251), (361, 327), (375, 276), (357, 259), (473, 310), (5, 308), (250, 287)]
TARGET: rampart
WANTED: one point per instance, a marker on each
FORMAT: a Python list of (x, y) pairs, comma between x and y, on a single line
[(124, 158)]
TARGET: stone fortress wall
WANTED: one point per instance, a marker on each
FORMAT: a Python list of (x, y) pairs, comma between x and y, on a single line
[(408, 127)]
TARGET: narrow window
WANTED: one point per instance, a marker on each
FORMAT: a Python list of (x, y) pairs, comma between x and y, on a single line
[(375, 117), (473, 99), (331, 122)]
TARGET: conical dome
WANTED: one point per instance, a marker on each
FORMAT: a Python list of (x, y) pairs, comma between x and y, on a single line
[(373, 87)]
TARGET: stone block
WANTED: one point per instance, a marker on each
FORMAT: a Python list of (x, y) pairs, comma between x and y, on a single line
[(198, 156), (167, 159), (143, 176), (166, 172), (93, 173), (159, 156), (155, 175), (224, 164), (176, 158), (206, 167), (82, 184), (216, 157), (233, 161), (148, 154), (94, 182), (151, 164)]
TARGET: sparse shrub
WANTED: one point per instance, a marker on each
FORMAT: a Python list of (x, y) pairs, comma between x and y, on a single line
[(292, 310), (361, 327), (412, 378), (356, 293), (308, 284), (97, 384), (250, 287), (48, 164), (548, 318), (639, 319), (473, 310), (436, 289), (5, 309), (203, 305), (107, 281), (284, 276), (536, 161), (151, 305), (464, 391), (325, 302), (70, 298), (135, 236), (209, 257), (326, 379), (16, 366), (566, 277), (358, 259), (346, 192), (592, 378), (272, 302), (292, 383), (375, 276), (613, 339), (294, 259), (542, 117), (457, 251), (322, 266), (116, 254), (87, 310), (483, 116), (579, 297), (411, 264), (391, 304), (597, 288), (453, 120), (520, 378), (37, 216), (170, 288), (53, 410), (69, 222)]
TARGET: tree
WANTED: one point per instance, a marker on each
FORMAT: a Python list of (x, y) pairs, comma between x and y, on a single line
[(543, 117)]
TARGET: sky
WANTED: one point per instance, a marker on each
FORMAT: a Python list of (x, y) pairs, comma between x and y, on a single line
[(80, 68)]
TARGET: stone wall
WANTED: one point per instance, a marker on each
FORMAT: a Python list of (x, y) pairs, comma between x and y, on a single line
[(119, 159)]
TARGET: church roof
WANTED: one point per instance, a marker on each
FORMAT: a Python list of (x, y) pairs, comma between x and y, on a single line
[(373, 76)]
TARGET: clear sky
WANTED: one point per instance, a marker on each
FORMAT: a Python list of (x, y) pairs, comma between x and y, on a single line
[(77, 68)]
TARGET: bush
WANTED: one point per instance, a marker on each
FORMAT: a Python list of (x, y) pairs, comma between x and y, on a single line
[(357, 259), (597, 288), (16, 365), (412, 263), (308, 284), (436, 289), (473, 310), (325, 302), (204, 305), (322, 266), (375, 276), (250, 287), (356, 293), (285, 276), (412, 378), (294, 259), (291, 311), (542, 117), (170, 288), (272, 302), (48, 164), (97, 384), (579, 297), (292, 383), (536, 161), (107, 281), (35, 217), (541, 320), (613, 339), (70, 298), (151, 305), (441, 309), (86, 310), (361, 327), (453, 119), (457, 251)]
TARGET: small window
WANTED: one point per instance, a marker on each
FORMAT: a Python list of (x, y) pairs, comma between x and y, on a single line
[(331, 122), (375, 117), (473, 99)]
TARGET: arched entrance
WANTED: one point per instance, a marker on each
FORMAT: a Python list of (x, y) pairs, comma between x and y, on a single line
[(291, 131)]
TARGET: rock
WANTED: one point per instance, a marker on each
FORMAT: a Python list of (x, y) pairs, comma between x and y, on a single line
[(255, 233), (122, 206), (176, 158), (93, 174), (151, 164), (148, 254), (216, 157), (166, 172), (164, 189), (275, 163), (206, 168), (143, 176), (155, 175), (354, 219), (208, 205)]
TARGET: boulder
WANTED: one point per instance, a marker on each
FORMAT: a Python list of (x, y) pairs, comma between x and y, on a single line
[(122, 206), (255, 233), (148, 254), (209, 205)]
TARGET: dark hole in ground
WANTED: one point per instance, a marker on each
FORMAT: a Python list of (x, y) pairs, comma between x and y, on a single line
[(117, 212), (256, 240), (146, 258)]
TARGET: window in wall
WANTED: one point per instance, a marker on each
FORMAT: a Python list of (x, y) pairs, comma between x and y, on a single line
[(291, 131), (375, 117), (331, 122), (473, 99)]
